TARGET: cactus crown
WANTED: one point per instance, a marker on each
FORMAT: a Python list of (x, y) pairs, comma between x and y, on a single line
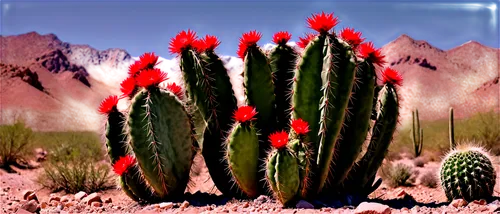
[(392, 77), (151, 77), (322, 23), (300, 126), (368, 52), (304, 41), (176, 89), (282, 37), (210, 43), (182, 41), (245, 113), (352, 37), (123, 164), (248, 40), (108, 104)]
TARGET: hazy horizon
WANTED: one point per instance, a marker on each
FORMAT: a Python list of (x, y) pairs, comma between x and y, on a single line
[(148, 26)]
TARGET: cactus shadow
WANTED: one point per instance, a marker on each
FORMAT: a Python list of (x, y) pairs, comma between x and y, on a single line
[(204, 199), (352, 201)]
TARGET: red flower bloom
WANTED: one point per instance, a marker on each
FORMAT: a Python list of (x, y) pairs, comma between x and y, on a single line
[(148, 61), (281, 38), (135, 68), (182, 41), (248, 40), (176, 89), (199, 45), (279, 139), (368, 52), (123, 164), (303, 42), (322, 22), (245, 113), (300, 126), (352, 37), (210, 42), (391, 76), (151, 77), (127, 86), (108, 104)]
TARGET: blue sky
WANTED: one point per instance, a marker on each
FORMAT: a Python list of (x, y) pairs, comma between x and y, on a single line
[(145, 26)]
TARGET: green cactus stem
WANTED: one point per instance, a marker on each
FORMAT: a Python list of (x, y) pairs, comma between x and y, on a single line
[(356, 125), (283, 60), (162, 139), (451, 132), (468, 173), (243, 153), (417, 135)]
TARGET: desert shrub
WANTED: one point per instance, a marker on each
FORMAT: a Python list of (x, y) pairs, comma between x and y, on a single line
[(75, 176), (419, 161), (398, 174), (15, 145), (74, 162), (429, 179)]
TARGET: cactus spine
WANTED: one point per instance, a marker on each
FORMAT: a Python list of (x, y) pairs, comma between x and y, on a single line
[(417, 135), (451, 132), (468, 173)]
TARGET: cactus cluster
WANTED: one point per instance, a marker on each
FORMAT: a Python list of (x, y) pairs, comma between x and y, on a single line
[(468, 173), (299, 135)]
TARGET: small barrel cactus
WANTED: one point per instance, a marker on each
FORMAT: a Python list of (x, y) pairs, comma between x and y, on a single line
[(467, 173)]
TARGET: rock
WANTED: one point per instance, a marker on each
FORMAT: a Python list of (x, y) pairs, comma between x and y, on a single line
[(108, 200), (27, 193), (96, 204), (184, 204), (54, 198), (479, 202), (372, 208), (304, 205), (44, 205), (65, 199), (246, 204), (31, 206), (94, 197), (458, 203), (32, 196), (166, 205), (262, 199), (80, 195), (70, 204)]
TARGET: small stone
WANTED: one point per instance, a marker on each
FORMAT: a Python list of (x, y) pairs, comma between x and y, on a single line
[(184, 204), (54, 198), (479, 202), (246, 204), (108, 200), (326, 209), (27, 193), (80, 195), (94, 197), (262, 199), (69, 204), (401, 193), (304, 205), (32, 196), (96, 204), (65, 199), (372, 208), (166, 205), (44, 205), (31, 206), (458, 203)]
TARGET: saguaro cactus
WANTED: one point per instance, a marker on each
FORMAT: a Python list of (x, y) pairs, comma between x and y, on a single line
[(417, 135)]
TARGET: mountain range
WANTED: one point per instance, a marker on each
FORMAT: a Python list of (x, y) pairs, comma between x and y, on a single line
[(53, 85)]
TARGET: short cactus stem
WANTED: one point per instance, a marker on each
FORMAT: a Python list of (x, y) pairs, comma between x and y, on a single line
[(451, 132), (417, 133)]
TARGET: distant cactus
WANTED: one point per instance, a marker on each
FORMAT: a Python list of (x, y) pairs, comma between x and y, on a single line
[(451, 132), (468, 173), (314, 106), (417, 135)]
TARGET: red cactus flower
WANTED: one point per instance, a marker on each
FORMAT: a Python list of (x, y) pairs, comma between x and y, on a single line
[(248, 39), (300, 126), (108, 104), (182, 41), (135, 68), (176, 89), (391, 76), (281, 38), (127, 86), (303, 42), (322, 22), (199, 45), (245, 113), (148, 60), (210, 42), (151, 77), (123, 164), (352, 37), (279, 139), (368, 52)]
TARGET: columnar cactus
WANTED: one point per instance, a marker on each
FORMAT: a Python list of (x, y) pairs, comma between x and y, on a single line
[(417, 134), (468, 173), (451, 132)]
